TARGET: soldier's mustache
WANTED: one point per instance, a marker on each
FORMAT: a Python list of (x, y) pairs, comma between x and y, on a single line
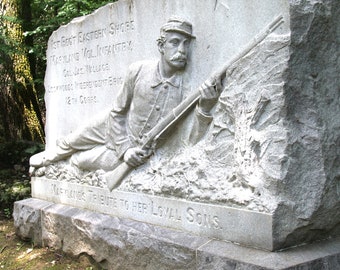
[(178, 57)]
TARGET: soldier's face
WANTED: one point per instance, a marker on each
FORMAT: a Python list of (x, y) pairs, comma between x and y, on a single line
[(175, 50)]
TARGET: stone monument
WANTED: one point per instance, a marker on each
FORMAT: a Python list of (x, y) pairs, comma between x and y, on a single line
[(192, 135)]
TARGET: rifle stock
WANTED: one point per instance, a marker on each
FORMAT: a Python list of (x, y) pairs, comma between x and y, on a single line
[(115, 177)]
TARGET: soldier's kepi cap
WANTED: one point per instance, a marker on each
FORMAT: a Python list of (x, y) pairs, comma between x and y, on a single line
[(176, 24)]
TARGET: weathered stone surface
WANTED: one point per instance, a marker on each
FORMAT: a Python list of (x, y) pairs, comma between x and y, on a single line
[(87, 60), (208, 220), (118, 243), (244, 149), (273, 146), (309, 192), (221, 255), (27, 219)]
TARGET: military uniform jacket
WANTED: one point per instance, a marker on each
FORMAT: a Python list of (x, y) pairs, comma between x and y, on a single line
[(143, 100)]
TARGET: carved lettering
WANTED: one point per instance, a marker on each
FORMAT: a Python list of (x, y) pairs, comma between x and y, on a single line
[(97, 68), (108, 201), (91, 84), (63, 42), (64, 59), (59, 88), (88, 100), (165, 212), (83, 100), (102, 200), (77, 195), (202, 219), (93, 35), (139, 207), (125, 204), (107, 50), (73, 72), (71, 100), (110, 81), (113, 81), (121, 28)]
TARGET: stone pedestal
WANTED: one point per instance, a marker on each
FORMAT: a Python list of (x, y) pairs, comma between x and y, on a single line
[(264, 175), (124, 244)]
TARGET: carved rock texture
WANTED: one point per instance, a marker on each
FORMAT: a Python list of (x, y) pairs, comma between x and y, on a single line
[(310, 190), (243, 154), (114, 243), (27, 219), (274, 145), (117, 243)]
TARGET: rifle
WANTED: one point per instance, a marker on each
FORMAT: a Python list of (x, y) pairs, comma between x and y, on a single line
[(115, 177)]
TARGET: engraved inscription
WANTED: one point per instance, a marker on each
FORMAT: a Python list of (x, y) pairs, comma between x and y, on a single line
[(120, 28), (71, 100), (74, 194), (139, 207), (59, 88), (64, 59), (113, 29), (155, 209), (102, 200), (207, 220), (83, 100), (202, 219), (98, 83), (165, 212), (64, 42), (92, 35), (107, 50), (110, 81), (97, 68), (73, 72), (78, 58)]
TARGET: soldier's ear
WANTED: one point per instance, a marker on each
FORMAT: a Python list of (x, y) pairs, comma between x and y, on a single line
[(161, 47)]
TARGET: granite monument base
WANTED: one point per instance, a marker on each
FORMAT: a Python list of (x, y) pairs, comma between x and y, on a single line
[(121, 243)]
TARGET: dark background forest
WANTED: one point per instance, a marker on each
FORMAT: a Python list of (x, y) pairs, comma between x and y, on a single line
[(25, 26)]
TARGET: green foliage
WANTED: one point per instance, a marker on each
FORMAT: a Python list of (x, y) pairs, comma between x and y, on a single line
[(8, 46), (17, 153), (11, 192), (14, 177), (25, 26), (38, 19), (49, 15)]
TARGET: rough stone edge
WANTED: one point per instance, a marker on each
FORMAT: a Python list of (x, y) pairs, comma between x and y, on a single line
[(118, 243), (158, 244), (27, 219), (323, 255)]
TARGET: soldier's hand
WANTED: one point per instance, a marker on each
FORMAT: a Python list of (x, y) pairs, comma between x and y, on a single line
[(210, 91), (136, 156)]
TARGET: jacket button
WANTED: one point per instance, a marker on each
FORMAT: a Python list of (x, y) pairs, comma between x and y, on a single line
[(166, 86), (157, 107)]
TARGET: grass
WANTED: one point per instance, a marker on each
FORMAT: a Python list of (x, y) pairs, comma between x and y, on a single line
[(16, 254)]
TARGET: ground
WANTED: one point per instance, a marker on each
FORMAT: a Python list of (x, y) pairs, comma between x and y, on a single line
[(16, 254)]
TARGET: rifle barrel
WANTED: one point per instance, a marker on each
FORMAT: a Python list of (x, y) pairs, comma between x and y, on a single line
[(192, 99), (115, 177)]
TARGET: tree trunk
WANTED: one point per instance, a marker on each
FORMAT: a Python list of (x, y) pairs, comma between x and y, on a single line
[(20, 113)]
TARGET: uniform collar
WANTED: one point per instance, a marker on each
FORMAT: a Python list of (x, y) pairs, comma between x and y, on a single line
[(157, 79)]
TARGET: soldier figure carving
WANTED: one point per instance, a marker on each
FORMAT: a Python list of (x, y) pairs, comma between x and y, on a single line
[(151, 90)]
